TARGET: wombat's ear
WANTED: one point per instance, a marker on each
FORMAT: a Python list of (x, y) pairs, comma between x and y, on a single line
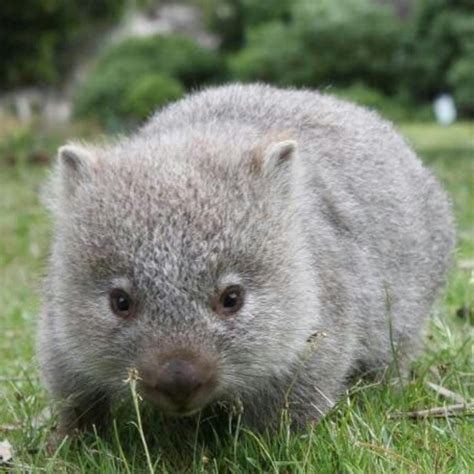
[(75, 164), (277, 155)]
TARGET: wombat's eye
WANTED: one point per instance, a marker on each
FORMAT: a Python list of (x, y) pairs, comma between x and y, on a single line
[(120, 303), (229, 301)]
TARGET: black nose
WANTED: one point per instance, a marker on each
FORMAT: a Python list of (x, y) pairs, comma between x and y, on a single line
[(180, 379)]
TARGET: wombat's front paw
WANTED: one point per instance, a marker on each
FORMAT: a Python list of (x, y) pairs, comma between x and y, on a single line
[(58, 436), (74, 420)]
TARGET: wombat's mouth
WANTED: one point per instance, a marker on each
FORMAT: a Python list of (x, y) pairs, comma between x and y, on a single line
[(175, 406), (181, 414)]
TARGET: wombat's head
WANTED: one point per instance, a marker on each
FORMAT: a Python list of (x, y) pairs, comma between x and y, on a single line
[(184, 261)]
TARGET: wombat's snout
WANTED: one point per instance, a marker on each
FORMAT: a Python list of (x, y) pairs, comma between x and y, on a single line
[(180, 383), (179, 379)]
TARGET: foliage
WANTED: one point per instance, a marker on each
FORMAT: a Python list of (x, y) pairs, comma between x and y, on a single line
[(461, 80), (149, 92), (311, 43), (349, 39), (126, 70), (274, 55), (36, 37), (229, 19), (325, 43), (438, 52), (172, 54)]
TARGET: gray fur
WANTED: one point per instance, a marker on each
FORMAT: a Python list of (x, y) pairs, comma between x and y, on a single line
[(339, 234)]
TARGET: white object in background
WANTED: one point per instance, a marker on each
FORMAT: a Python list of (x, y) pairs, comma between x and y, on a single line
[(445, 109), (5, 452), (23, 107)]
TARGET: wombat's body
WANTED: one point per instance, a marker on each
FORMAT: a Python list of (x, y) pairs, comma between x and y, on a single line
[(315, 210)]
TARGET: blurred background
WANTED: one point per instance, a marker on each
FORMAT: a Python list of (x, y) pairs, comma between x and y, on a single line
[(112, 62)]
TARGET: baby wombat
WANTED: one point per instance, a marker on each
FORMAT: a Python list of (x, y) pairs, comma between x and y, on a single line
[(248, 243)]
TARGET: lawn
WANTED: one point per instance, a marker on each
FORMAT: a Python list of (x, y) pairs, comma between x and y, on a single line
[(359, 435)]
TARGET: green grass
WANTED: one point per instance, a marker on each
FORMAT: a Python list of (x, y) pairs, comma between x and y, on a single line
[(357, 436)]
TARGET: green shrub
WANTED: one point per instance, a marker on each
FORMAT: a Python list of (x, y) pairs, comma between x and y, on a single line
[(130, 69), (274, 54), (349, 40), (324, 43), (461, 80), (175, 55), (149, 92), (229, 19), (436, 51)]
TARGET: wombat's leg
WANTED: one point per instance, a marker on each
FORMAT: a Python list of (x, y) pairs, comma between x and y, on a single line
[(78, 415), (317, 388), (309, 404), (84, 413), (301, 402)]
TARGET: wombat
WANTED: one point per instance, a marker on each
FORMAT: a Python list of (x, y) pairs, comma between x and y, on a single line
[(247, 244)]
